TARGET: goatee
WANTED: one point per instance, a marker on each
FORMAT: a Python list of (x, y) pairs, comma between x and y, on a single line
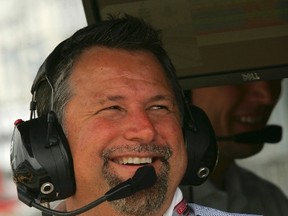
[(144, 202)]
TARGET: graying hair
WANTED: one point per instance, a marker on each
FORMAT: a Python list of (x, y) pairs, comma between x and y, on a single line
[(127, 32)]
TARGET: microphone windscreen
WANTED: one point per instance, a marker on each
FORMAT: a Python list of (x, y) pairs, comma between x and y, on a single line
[(269, 134), (144, 177)]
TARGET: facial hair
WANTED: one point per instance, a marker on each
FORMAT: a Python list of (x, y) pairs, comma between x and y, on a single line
[(144, 202)]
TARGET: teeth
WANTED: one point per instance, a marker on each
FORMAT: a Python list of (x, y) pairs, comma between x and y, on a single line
[(134, 160), (248, 119)]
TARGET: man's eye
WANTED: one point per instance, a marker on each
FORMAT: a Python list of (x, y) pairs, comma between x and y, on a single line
[(159, 107), (113, 108), (110, 108)]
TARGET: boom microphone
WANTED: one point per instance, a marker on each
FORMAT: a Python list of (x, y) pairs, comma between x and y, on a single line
[(269, 134), (143, 178)]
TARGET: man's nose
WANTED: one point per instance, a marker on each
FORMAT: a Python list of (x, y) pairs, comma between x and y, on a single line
[(264, 92), (140, 127)]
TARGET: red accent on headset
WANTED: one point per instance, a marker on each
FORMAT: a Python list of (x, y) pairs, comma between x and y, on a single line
[(18, 121)]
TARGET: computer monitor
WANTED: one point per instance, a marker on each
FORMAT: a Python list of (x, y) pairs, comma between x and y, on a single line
[(213, 42)]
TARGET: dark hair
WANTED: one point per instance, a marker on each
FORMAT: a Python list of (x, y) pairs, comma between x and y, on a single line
[(126, 32)]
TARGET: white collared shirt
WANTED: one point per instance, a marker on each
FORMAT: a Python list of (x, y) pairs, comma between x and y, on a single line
[(176, 199)]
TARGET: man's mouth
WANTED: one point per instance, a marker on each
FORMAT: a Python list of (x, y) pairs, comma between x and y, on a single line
[(138, 155), (249, 119), (133, 160)]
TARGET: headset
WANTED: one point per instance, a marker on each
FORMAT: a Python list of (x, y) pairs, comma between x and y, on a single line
[(200, 142), (40, 156), (41, 160)]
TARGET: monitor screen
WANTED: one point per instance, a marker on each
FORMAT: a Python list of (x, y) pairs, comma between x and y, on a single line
[(213, 42)]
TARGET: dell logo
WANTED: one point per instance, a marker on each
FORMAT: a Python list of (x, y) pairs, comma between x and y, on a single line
[(250, 76)]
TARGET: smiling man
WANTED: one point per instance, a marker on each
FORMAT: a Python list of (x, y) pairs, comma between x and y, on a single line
[(237, 109), (127, 117), (117, 99)]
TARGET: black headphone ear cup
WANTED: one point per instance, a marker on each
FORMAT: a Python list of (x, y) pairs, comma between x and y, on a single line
[(41, 160), (201, 147)]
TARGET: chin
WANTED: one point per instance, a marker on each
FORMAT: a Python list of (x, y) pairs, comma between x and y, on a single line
[(249, 150), (240, 150)]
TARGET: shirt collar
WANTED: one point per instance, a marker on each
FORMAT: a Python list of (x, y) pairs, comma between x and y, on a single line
[(179, 206), (176, 199)]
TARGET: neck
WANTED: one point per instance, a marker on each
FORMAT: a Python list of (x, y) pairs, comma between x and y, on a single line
[(218, 175), (103, 209), (106, 209)]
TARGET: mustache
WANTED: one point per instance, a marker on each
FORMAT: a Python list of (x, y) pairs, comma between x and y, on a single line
[(163, 151)]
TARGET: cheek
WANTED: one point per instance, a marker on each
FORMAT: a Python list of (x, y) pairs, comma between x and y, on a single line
[(86, 142), (84, 150), (172, 133)]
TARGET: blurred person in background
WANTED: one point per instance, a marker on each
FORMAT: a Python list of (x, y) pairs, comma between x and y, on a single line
[(235, 109)]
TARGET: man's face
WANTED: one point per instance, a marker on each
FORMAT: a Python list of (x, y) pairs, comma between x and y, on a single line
[(122, 115), (233, 109)]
